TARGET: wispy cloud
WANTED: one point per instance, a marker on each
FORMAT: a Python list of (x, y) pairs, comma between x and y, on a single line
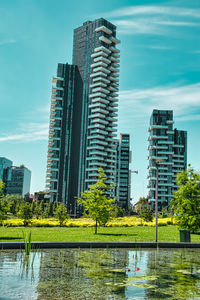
[(155, 10), (6, 42), (30, 132), (137, 105), (156, 20)]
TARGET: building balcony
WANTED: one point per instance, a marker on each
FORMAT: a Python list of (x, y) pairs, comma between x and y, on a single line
[(170, 122), (96, 137), (157, 137), (102, 48), (157, 127), (98, 84), (114, 59), (153, 157), (112, 109), (97, 105), (98, 74), (104, 29), (96, 152), (101, 79), (170, 132), (114, 79), (99, 64), (113, 89), (105, 40), (98, 131), (100, 54), (97, 141), (97, 115), (98, 120), (103, 59), (97, 95), (92, 157), (100, 89), (178, 155), (178, 146), (179, 166), (101, 69), (100, 100), (97, 126), (116, 55), (166, 142), (165, 153), (115, 50)]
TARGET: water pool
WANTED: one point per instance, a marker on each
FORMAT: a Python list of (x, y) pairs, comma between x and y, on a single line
[(100, 274)]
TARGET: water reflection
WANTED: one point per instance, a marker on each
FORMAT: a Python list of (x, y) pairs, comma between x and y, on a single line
[(82, 274), (100, 274)]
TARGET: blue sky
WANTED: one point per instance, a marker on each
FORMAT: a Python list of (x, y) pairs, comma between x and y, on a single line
[(160, 69)]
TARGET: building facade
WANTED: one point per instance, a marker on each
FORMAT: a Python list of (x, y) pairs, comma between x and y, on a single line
[(18, 181), (4, 164), (167, 156), (84, 102), (123, 174)]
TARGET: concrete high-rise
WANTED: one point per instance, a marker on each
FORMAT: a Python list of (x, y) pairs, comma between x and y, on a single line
[(17, 179), (123, 174), (89, 95), (167, 155)]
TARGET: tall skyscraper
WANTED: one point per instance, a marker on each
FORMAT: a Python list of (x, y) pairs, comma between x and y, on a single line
[(167, 154), (123, 174), (84, 102)]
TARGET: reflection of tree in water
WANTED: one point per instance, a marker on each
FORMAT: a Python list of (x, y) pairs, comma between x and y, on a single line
[(82, 274), (177, 274)]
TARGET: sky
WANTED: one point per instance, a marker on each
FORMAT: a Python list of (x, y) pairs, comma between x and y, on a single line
[(159, 69)]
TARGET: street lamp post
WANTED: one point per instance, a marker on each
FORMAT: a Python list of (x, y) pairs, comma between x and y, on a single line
[(156, 161), (156, 205)]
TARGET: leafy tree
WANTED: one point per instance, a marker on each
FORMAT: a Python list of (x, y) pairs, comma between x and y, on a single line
[(49, 209), (118, 211), (146, 214), (15, 201), (61, 213), (38, 211), (186, 202), (4, 205), (2, 185), (97, 205), (25, 212)]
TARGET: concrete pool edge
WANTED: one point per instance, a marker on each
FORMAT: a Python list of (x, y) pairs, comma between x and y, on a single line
[(62, 245)]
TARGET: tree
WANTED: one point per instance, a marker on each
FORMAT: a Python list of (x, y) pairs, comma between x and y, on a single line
[(186, 202), (25, 212), (146, 214), (15, 201), (96, 203), (4, 205), (61, 213), (118, 211)]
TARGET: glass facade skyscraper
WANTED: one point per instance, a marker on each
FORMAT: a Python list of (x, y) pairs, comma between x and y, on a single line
[(167, 154), (123, 175), (84, 102)]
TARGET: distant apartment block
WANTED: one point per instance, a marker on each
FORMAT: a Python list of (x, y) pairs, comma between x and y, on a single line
[(17, 179), (167, 154), (123, 173), (4, 164)]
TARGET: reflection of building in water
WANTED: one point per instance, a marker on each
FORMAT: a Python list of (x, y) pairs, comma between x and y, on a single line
[(172, 274), (82, 274)]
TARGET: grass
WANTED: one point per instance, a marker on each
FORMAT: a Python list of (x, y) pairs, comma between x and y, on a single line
[(168, 233)]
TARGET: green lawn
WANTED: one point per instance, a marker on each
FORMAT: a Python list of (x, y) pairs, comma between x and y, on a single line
[(168, 233)]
